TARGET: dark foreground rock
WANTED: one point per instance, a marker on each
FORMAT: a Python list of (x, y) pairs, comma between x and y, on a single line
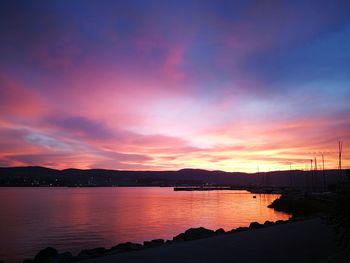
[(302, 205), (125, 247), (65, 257), (51, 255), (91, 253), (268, 223), (153, 243), (238, 229), (45, 254), (219, 231), (300, 241), (255, 225), (194, 233)]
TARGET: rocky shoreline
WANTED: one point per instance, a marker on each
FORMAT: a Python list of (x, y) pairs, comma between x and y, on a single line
[(301, 204), (51, 255), (290, 203)]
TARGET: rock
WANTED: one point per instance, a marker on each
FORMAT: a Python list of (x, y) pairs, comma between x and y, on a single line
[(231, 231), (194, 233), (179, 237), (91, 253), (255, 225), (45, 254), (123, 247), (298, 205), (280, 222), (240, 229), (65, 257), (219, 231), (153, 243), (27, 260), (268, 223)]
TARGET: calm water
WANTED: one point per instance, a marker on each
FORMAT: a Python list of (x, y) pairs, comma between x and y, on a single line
[(77, 218)]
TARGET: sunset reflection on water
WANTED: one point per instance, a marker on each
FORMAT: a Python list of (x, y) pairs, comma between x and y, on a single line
[(76, 218)]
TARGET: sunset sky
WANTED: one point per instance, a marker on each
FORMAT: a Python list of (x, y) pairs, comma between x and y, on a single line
[(165, 85)]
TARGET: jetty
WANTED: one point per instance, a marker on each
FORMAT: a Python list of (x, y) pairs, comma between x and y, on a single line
[(204, 188)]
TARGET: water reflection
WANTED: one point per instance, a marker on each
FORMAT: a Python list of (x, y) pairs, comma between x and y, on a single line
[(77, 218)]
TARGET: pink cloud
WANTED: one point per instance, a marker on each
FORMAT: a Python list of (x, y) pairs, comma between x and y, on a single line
[(144, 100), (18, 100)]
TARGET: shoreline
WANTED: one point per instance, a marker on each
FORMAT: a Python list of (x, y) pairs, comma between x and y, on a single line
[(309, 240), (289, 203), (304, 239), (50, 254)]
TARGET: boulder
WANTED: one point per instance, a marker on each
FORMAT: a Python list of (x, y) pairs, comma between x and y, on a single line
[(231, 231), (179, 237), (153, 243), (240, 229), (280, 222), (91, 253), (268, 223), (123, 247), (195, 233), (45, 254), (219, 231), (65, 257), (255, 225)]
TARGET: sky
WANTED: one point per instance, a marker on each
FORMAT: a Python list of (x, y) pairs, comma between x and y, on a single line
[(165, 85)]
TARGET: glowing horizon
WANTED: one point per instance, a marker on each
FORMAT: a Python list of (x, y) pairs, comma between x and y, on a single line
[(159, 85)]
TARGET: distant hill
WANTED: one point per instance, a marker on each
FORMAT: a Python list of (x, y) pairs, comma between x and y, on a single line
[(42, 176)]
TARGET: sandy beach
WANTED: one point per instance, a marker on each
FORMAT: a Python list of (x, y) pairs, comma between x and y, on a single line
[(303, 241)]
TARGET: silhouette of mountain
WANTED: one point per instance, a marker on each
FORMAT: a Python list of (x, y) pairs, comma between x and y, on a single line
[(42, 176)]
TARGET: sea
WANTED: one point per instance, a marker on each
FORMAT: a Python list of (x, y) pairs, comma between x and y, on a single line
[(72, 219)]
